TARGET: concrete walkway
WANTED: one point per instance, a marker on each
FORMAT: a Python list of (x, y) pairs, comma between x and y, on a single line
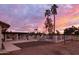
[(9, 45)]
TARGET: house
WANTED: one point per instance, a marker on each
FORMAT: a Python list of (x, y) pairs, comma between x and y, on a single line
[(15, 35), (3, 28)]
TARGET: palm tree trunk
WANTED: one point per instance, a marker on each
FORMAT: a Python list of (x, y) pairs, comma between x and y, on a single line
[(54, 23)]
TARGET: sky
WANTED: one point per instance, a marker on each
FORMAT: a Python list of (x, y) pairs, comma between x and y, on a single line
[(27, 17)]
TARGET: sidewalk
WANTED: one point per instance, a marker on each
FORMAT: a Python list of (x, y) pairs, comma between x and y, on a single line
[(9, 46)]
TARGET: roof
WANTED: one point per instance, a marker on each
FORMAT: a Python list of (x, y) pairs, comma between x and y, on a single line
[(16, 32), (4, 25)]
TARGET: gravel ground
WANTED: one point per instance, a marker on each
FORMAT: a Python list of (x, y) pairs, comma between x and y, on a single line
[(47, 48)]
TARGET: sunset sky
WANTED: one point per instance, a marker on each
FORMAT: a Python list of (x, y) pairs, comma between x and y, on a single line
[(27, 17)]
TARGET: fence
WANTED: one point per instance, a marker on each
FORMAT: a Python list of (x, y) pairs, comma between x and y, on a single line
[(54, 38)]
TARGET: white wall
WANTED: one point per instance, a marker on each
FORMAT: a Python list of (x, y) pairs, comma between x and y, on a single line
[(1, 36)]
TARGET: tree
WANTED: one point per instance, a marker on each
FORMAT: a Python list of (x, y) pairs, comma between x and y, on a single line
[(54, 12), (70, 30), (48, 22), (57, 32), (36, 31), (77, 32), (47, 13)]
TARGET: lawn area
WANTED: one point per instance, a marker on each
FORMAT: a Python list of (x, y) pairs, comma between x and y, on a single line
[(47, 48)]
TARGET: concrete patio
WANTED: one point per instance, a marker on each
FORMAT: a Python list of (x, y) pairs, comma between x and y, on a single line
[(9, 45)]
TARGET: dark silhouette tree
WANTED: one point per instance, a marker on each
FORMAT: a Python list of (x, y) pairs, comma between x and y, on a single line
[(57, 32), (48, 22), (77, 32), (70, 31), (54, 12), (47, 13), (36, 32)]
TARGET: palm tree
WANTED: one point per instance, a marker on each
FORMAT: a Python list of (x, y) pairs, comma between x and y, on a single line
[(48, 22), (54, 12), (47, 12)]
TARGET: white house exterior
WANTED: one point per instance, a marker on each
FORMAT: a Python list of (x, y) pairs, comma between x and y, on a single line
[(1, 37), (3, 28)]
